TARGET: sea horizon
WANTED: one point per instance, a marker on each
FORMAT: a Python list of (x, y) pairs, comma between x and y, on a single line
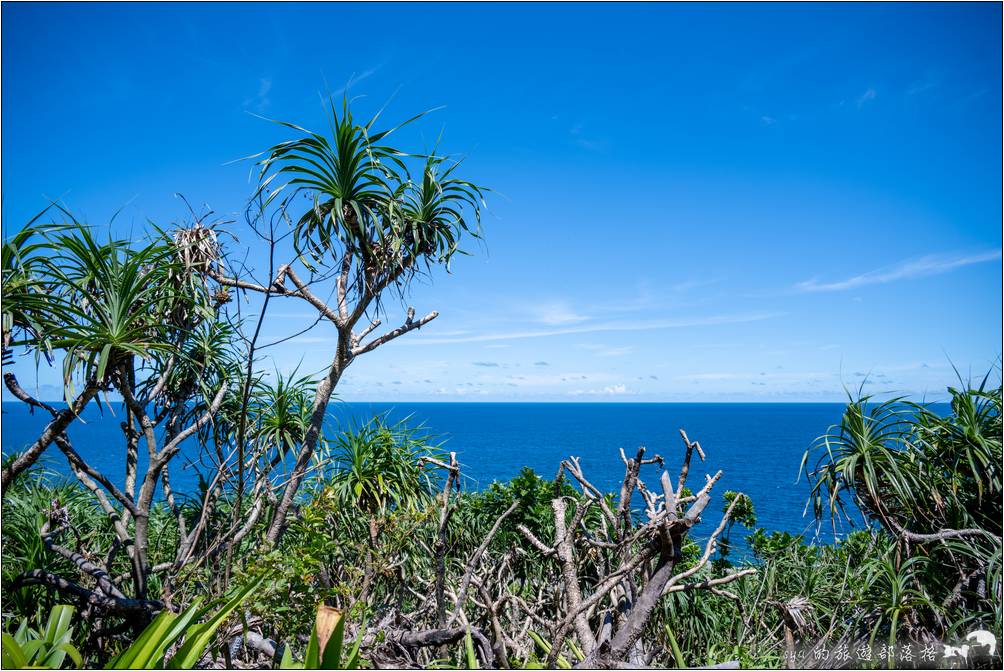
[(334, 401), (757, 445)]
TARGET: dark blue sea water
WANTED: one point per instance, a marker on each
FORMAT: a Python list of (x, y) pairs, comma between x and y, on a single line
[(759, 446)]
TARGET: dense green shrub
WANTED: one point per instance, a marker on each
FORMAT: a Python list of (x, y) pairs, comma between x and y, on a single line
[(364, 541)]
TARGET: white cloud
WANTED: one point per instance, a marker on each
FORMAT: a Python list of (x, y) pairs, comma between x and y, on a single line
[(575, 132), (556, 314), (260, 101), (928, 265), (708, 376), (921, 86), (867, 96), (690, 285), (605, 350), (612, 390), (649, 325)]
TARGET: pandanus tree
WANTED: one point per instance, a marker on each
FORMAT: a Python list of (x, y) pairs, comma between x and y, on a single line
[(101, 305), (382, 465), (29, 307), (928, 482), (365, 221), (130, 319), (25, 300), (152, 324), (919, 474), (141, 320)]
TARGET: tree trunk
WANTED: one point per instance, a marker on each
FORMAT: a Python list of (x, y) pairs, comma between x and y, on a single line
[(321, 397)]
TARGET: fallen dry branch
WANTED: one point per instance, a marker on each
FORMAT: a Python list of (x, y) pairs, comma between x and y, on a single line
[(609, 569)]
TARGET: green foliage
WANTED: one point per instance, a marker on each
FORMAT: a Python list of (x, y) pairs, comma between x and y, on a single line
[(118, 301), (374, 497), (477, 512), (469, 655), (28, 648), (743, 513), (100, 303), (369, 529), (545, 647), (909, 468), (325, 557), (279, 413), (363, 199), (299, 574), (144, 317), (26, 507), (932, 483), (25, 295), (893, 587), (149, 649), (45, 649), (379, 466), (766, 546), (199, 636), (906, 467), (675, 647)]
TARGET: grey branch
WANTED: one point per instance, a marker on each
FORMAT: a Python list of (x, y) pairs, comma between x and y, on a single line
[(409, 325)]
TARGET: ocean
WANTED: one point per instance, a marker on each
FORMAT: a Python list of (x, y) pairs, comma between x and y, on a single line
[(758, 446)]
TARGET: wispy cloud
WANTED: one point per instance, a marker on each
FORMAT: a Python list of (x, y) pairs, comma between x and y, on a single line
[(707, 377), (867, 97), (562, 312), (606, 350), (922, 86), (965, 100), (260, 102), (556, 314), (578, 138), (650, 325), (612, 390), (934, 264), (355, 79)]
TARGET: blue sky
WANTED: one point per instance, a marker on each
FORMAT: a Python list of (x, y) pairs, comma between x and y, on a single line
[(691, 203)]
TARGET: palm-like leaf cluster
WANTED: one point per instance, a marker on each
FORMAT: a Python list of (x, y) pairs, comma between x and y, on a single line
[(961, 456), (114, 298), (929, 484), (281, 411), (271, 421), (380, 465), (26, 300), (363, 200), (909, 467), (100, 303)]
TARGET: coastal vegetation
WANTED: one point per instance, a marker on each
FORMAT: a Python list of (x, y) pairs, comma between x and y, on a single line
[(309, 545)]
